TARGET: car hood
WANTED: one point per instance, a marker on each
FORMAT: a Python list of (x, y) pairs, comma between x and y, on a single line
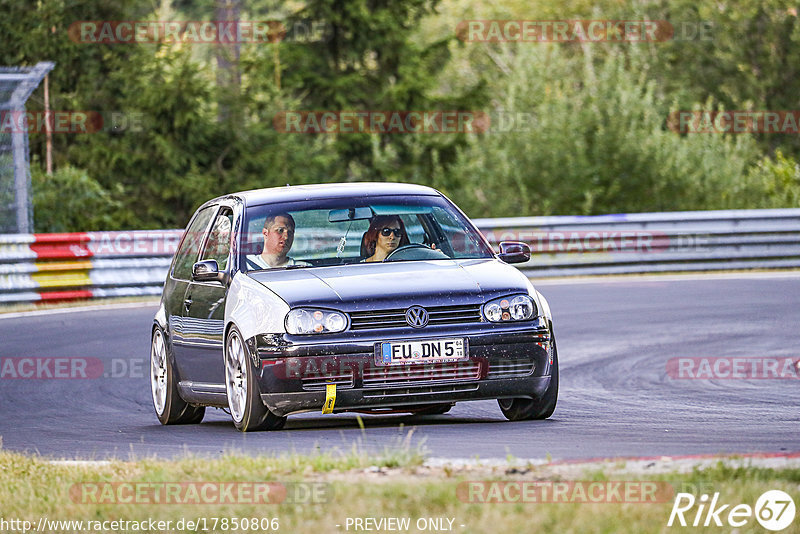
[(366, 286)]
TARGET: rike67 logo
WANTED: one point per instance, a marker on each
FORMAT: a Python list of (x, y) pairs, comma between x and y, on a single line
[(774, 510)]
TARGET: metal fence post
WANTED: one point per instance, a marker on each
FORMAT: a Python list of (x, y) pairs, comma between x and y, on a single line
[(24, 81)]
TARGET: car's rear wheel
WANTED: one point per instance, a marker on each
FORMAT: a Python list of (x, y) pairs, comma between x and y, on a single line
[(244, 396), (521, 409), (170, 408)]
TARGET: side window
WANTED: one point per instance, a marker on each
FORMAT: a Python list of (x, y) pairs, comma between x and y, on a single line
[(219, 241), (192, 241), (458, 238)]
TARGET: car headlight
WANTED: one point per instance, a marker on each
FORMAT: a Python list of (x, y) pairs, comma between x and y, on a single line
[(516, 308), (312, 321)]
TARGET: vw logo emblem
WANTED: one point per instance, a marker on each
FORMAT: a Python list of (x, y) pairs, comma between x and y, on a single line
[(417, 316)]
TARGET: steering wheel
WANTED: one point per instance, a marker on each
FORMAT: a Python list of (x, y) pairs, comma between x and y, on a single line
[(399, 250)]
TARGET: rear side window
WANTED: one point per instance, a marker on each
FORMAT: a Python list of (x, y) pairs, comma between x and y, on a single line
[(191, 245), (219, 241)]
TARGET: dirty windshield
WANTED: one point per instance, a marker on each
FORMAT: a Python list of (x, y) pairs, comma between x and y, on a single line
[(362, 230)]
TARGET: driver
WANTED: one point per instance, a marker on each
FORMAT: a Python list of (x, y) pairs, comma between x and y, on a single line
[(278, 238), (386, 233)]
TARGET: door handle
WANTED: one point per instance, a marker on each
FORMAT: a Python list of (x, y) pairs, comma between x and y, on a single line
[(187, 303)]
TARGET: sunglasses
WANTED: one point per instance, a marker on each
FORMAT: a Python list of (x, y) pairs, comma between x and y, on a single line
[(386, 232)]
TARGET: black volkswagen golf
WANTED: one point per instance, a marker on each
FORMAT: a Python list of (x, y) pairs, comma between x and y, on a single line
[(350, 297)]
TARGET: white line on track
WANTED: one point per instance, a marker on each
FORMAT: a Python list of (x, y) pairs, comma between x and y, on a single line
[(78, 309), (628, 279), (639, 465)]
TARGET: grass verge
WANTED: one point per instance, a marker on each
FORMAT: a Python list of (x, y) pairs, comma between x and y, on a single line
[(328, 492)]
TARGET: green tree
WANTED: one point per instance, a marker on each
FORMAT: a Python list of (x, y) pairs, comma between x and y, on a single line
[(70, 201), (747, 58), (593, 140), (369, 60)]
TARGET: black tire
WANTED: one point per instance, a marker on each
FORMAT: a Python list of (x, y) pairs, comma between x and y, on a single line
[(439, 409), (522, 409), (170, 408), (244, 396)]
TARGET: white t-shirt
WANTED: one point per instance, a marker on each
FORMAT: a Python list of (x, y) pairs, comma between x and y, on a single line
[(258, 259)]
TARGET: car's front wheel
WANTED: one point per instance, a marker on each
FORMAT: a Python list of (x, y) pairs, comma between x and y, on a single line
[(521, 409), (170, 408), (244, 396)]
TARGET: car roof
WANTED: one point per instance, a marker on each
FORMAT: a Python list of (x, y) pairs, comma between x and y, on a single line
[(292, 193)]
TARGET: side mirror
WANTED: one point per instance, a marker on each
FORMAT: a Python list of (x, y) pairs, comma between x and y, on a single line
[(206, 271), (514, 252)]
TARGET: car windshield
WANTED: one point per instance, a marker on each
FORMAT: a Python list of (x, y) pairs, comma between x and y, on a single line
[(350, 231)]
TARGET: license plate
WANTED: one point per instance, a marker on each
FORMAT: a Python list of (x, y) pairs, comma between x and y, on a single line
[(422, 351)]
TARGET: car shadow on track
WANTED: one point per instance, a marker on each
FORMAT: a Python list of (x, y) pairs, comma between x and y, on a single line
[(349, 421)]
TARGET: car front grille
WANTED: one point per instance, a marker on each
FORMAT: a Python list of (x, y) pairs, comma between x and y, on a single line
[(511, 368), (430, 373), (396, 318), (318, 383), (421, 391)]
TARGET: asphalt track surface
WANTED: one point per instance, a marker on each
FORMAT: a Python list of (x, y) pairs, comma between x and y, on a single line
[(616, 398)]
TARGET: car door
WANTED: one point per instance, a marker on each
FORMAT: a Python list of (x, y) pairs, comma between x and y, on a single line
[(204, 311), (178, 283)]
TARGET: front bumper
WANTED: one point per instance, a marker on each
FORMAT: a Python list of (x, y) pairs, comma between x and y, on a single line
[(503, 362)]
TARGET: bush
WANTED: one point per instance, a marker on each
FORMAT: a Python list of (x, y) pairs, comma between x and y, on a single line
[(596, 142), (778, 181), (71, 201)]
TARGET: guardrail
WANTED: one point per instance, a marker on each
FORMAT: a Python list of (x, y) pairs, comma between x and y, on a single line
[(44, 267), (653, 242)]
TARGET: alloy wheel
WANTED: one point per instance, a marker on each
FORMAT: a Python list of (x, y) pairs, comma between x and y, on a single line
[(158, 371), (236, 376)]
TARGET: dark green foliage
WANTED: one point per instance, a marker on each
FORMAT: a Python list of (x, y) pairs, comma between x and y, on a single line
[(598, 143), (70, 200)]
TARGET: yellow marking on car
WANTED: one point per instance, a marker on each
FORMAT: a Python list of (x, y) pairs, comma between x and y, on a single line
[(330, 398)]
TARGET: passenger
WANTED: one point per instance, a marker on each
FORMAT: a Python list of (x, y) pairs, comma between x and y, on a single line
[(385, 234), (278, 238)]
